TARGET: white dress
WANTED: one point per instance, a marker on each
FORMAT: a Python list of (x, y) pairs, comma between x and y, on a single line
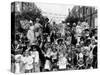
[(47, 63), (36, 65), (35, 55), (31, 36), (28, 62), (37, 29), (62, 63), (17, 68), (17, 64)]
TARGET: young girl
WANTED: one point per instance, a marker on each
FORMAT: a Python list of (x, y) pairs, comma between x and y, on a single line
[(28, 62), (54, 59), (47, 66), (80, 61), (35, 56), (17, 63), (62, 62)]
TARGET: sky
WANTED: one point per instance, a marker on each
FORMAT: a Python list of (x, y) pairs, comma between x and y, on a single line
[(57, 12)]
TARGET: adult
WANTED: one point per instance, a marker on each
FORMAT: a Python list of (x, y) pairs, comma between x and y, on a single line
[(37, 27)]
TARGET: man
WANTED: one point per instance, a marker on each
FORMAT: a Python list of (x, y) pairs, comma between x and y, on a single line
[(47, 26), (73, 32)]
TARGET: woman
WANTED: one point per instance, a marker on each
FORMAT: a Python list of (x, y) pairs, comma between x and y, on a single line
[(31, 35)]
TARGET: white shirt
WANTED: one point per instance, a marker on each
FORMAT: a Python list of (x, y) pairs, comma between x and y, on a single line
[(48, 39), (62, 63), (54, 55), (35, 55), (80, 55), (17, 70), (47, 65), (90, 55), (78, 30), (37, 25), (87, 50), (28, 62), (31, 36)]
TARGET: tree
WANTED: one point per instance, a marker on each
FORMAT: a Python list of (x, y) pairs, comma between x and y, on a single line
[(28, 11)]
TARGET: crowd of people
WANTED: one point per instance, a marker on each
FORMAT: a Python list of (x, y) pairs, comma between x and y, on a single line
[(44, 48)]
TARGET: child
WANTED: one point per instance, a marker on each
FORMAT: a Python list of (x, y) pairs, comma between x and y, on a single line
[(54, 58), (80, 61), (28, 60), (62, 62), (47, 66), (35, 56), (17, 63)]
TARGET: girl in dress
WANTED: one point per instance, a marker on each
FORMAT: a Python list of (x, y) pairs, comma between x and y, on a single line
[(62, 62), (80, 61), (35, 56), (47, 66), (18, 58), (28, 62)]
